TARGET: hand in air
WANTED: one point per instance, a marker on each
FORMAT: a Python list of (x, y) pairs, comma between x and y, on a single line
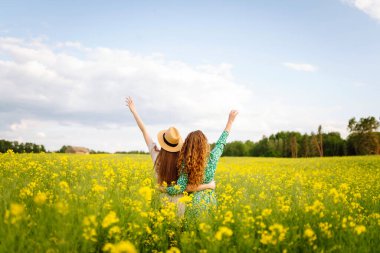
[(231, 118), (232, 115), (130, 104)]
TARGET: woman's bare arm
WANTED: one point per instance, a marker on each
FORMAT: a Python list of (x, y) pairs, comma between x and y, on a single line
[(194, 188), (140, 123)]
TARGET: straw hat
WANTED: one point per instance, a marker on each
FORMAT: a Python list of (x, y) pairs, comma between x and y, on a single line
[(170, 139)]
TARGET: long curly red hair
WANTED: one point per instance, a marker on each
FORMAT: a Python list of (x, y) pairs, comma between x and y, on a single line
[(193, 157)]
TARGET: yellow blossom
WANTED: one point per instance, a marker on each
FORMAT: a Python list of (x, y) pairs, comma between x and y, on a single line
[(325, 228), (89, 234), (62, 207), (204, 227), (360, 229), (173, 250), (147, 182), (316, 208), (310, 235), (146, 193), (98, 188), (90, 221), (125, 247), (17, 209), (186, 199), (228, 218), (108, 247), (266, 237), (40, 198), (15, 214), (114, 232), (64, 186), (275, 234), (89, 228), (266, 212), (262, 195), (223, 231), (110, 219)]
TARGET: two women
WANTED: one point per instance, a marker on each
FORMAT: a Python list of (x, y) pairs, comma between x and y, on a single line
[(165, 159), (191, 159)]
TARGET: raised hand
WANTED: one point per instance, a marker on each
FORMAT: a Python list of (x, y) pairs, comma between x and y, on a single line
[(232, 115), (231, 118), (130, 104)]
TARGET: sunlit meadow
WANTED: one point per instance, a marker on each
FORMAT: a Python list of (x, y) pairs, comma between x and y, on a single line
[(109, 203)]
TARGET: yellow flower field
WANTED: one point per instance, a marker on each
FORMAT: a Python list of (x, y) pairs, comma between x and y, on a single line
[(109, 203)]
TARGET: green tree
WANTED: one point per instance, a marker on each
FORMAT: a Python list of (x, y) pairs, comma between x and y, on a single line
[(363, 140), (333, 144), (5, 145), (36, 148), (235, 148), (63, 149)]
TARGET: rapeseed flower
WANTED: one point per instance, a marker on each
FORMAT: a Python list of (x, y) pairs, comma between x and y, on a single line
[(120, 247), (173, 250), (14, 214), (110, 219), (310, 235), (223, 231), (146, 193), (360, 229), (40, 198)]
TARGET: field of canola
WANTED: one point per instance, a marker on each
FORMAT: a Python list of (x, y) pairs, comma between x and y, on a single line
[(108, 203)]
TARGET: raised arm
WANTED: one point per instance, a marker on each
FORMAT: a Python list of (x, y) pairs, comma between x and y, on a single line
[(219, 145), (140, 123), (217, 151)]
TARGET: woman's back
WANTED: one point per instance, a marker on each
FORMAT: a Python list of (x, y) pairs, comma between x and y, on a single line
[(207, 174)]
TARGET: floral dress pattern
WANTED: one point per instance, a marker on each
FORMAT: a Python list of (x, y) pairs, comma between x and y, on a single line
[(202, 200)]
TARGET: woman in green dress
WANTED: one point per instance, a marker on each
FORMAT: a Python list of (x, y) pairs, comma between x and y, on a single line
[(197, 166)]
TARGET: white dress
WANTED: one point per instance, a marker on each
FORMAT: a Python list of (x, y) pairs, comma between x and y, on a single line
[(153, 150)]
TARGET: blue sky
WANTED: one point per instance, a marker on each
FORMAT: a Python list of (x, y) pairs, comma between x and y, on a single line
[(318, 58)]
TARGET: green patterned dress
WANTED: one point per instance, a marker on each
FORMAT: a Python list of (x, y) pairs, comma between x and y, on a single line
[(201, 200)]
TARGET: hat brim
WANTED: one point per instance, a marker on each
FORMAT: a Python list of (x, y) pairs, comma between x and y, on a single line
[(160, 138)]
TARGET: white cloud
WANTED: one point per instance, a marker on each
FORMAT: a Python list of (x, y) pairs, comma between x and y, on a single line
[(22, 125), (44, 83), (68, 94), (369, 7), (96, 83), (41, 134), (300, 66), (68, 44)]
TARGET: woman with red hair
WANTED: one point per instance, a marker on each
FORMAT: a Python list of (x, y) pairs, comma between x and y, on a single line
[(197, 166)]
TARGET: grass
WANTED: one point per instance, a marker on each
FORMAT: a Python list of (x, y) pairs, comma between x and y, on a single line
[(79, 203)]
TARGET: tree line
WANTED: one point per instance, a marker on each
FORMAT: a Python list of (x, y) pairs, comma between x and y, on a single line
[(17, 147), (362, 140)]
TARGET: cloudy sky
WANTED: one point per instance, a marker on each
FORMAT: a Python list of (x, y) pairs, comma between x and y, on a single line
[(66, 67)]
